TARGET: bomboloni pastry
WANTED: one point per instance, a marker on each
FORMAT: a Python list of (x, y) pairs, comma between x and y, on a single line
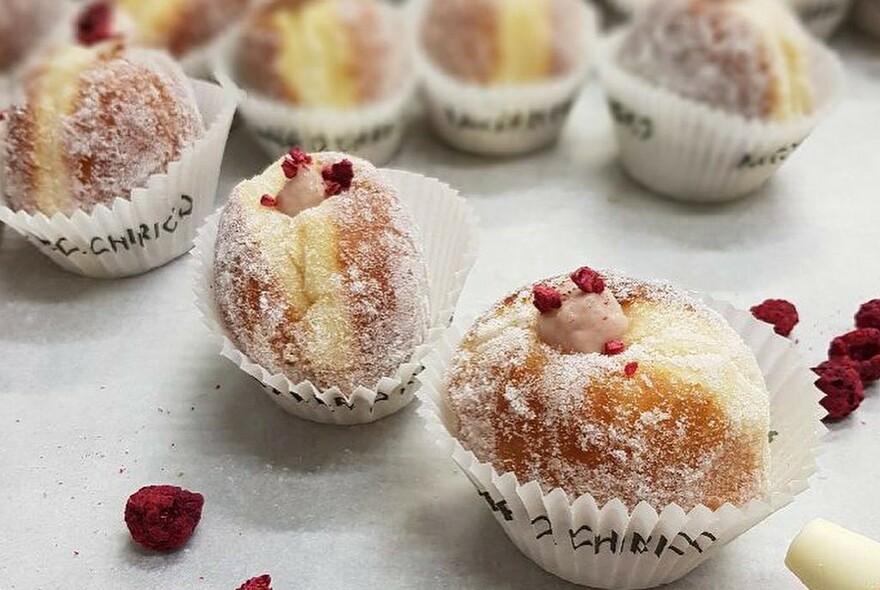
[(319, 272), (747, 57), (95, 124), (620, 388)]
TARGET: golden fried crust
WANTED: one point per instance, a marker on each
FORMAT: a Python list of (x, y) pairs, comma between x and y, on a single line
[(199, 21), (128, 119), (459, 35), (336, 295), (667, 434)]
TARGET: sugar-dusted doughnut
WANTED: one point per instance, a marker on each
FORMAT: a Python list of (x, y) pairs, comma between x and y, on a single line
[(96, 123), (319, 272), (602, 384), (749, 57)]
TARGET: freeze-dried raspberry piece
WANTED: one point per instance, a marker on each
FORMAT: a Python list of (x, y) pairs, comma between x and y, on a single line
[(868, 315), (842, 386), (546, 299), (779, 312), (163, 518), (588, 280), (862, 348), (263, 582)]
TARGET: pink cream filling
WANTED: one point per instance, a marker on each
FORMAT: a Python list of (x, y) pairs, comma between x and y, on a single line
[(584, 323), (304, 191)]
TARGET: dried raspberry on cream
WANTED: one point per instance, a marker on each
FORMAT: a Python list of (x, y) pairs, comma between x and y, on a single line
[(587, 319)]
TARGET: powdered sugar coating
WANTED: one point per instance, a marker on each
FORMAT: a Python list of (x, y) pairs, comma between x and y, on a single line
[(739, 56), (336, 295), (133, 114), (461, 37), (689, 427), (200, 21)]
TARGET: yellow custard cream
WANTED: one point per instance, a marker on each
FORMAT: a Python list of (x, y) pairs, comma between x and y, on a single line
[(316, 60), (525, 37)]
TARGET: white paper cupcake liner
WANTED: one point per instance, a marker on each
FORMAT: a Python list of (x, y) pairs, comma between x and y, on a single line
[(866, 15), (502, 120), (610, 546), (157, 225), (448, 227), (373, 131), (690, 151)]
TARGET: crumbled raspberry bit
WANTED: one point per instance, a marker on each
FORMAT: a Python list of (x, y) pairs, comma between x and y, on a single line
[(546, 299), (263, 582), (630, 369), (843, 388), (268, 201), (614, 347), (780, 313), (338, 177), (94, 24), (588, 280), (3, 115), (839, 407), (163, 518), (294, 161), (868, 315), (862, 348)]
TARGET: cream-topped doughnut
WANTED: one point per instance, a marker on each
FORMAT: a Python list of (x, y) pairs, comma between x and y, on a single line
[(323, 53), (326, 285), (674, 409), (750, 57), (96, 123)]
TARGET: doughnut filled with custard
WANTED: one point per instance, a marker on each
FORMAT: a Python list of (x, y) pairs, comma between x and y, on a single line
[(491, 42), (747, 57), (95, 124), (324, 53), (319, 272), (620, 388), (178, 26)]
